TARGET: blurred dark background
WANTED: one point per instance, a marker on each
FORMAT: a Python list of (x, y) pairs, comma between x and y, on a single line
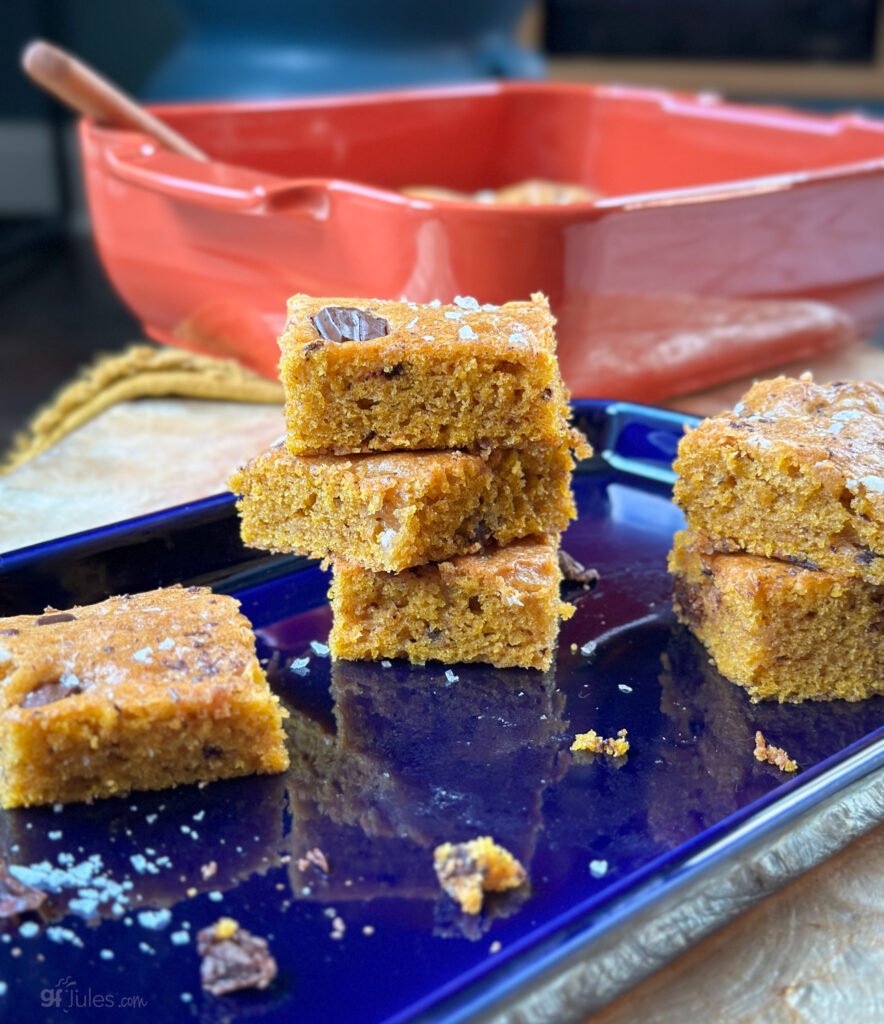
[(56, 308)]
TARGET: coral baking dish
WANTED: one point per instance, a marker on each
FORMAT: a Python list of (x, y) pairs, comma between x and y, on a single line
[(727, 238)]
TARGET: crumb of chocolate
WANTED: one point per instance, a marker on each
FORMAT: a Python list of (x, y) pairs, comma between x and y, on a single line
[(208, 870), (773, 755), (592, 743), (233, 958), (468, 870), (575, 572), (15, 896)]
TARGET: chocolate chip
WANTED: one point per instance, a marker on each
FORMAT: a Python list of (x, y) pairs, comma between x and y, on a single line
[(15, 896), (576, 572), (345, 323), (212, 752), (8, 632), (237, 961), (394, 371), (52, 691), (53, 617), (311, 346)]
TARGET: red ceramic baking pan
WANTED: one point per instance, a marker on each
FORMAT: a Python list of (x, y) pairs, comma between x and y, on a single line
[(728, 239)]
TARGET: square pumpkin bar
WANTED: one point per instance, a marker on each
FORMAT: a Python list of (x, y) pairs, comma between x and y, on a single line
[(796, 472), (134, 693), (500, 606), (781, 631), (390, 511), (364, 375)]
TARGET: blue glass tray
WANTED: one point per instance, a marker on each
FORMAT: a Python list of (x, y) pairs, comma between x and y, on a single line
[(390, 761)]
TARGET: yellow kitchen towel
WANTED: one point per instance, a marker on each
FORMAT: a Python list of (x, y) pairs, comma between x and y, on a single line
[(141, 371)]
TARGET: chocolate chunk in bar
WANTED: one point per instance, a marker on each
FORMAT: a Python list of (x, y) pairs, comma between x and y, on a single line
[(576, 572), (346, 323), (233, 958), (15, 896), (53, 617), (50, 692)]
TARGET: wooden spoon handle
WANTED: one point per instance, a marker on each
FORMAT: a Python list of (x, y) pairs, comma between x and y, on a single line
[(83, 89)]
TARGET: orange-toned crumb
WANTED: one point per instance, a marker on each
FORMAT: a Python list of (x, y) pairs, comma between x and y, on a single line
[(468, 870), (773, 755), (595, 744)]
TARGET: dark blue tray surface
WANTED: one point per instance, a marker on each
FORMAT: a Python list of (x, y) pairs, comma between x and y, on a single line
[(390, 761)]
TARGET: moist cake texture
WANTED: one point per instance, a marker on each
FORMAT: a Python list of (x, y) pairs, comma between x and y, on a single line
[(781, 631), (364, 375), (796, 471), (134, 693), (390, 511), (500, 606)]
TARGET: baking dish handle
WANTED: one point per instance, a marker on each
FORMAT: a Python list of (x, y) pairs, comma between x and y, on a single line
[(221, 187)]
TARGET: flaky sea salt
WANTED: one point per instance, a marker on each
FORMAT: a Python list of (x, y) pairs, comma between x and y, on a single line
[(154, 920)]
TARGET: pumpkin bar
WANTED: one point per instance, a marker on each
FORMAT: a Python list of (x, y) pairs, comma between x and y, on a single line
[(390, 511), (500, 606), (796, 471), (782, 631), (139, 692), (364, 375)]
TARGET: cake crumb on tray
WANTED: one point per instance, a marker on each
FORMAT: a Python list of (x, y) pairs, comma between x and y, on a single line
[(590, 742), (233, 958), (466, 871), (773, 755)]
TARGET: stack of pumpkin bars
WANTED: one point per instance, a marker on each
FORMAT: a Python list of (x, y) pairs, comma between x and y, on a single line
[(428, 458), (781, 570)]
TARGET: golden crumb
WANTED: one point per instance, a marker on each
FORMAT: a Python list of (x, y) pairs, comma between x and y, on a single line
[(593, 743), (467, 870), (773, 755), (225, 927)]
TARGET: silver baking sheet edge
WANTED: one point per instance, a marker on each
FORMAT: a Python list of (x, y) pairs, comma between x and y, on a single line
[(632, 951)]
